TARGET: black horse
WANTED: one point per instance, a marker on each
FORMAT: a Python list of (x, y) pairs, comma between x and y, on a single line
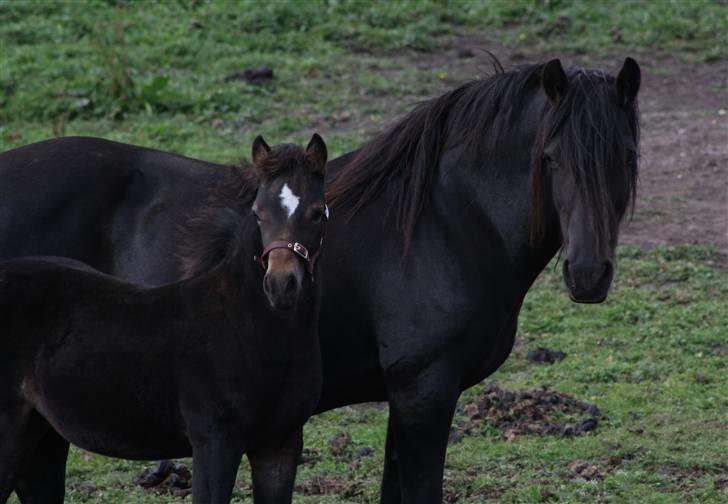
[(223, 363), (443, 222)]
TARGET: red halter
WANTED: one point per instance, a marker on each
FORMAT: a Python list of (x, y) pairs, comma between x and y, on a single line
[(297, 248)]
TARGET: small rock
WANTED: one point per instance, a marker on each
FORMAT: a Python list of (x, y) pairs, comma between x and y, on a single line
[(182, 470), (465, 53), (363, 451), (252, 76), (197, 24), (176, 481), (153, 478), (217, 123), (542, 354), (309, 456), (588, 424)]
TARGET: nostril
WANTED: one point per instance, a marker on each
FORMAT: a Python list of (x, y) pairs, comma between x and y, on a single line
[(290, 285)]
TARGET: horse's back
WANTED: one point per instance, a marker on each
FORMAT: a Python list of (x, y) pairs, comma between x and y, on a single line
[(112, 205)]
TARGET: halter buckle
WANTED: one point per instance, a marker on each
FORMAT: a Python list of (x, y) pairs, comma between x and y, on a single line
[(300, 250)]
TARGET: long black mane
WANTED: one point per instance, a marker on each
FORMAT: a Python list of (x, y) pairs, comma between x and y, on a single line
[(404, 159)]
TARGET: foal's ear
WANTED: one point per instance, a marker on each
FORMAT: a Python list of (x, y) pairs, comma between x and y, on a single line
[(628, 81), (316, 153), (554, 80), (260, 150)]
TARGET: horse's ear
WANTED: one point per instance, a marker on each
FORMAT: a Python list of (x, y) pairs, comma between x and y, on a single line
[(316, 153), (628, 81), (260, 150), (554, 80)]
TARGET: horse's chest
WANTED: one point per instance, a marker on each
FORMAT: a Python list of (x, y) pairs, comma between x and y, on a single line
[(488, 345)]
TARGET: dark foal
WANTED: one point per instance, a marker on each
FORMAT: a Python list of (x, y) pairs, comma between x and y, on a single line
[(222, 363)]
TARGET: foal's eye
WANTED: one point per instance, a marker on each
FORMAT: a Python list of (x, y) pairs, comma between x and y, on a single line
[(547, 162), (318, 216)]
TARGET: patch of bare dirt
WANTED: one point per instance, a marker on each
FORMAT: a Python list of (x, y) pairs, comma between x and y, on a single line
[(330, 485), (540, 412)]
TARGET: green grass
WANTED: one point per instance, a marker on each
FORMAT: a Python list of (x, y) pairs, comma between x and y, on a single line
[(153, 74), (652, 358)]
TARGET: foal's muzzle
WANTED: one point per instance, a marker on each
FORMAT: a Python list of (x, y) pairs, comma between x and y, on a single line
[(282, 288)]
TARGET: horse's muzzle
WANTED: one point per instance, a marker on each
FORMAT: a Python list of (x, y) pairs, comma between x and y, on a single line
[(282, 289), (588, 282)]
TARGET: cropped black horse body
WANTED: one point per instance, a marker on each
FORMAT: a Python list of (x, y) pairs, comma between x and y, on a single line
[(212, 366), (440, 225)]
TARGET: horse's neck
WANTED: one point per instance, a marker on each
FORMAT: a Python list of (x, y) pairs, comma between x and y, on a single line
[(491, 200), (237, 283), (237, 279)]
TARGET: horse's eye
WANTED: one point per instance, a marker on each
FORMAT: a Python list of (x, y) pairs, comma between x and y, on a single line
[(318, 216), (257, 218), (547, 162)]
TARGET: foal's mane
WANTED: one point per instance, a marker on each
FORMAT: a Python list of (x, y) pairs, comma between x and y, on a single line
[(222, 227), (404, 159)]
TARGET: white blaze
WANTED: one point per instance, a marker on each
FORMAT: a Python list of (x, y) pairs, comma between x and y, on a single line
[(289, 201)]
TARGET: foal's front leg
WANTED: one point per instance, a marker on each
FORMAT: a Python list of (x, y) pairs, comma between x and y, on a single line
[(274, 469), (215, 460)]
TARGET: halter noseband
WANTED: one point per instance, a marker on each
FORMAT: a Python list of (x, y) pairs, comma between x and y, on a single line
[(297, 248)]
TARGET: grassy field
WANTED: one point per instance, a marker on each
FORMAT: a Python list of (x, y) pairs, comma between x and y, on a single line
[(652, 358)]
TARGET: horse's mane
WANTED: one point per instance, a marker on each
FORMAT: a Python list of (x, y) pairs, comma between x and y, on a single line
[(404, 159), (218, 229)]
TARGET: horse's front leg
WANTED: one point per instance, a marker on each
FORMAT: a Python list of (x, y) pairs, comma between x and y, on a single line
[(421, 408), (274, 469), (44, 478), (215, 460)]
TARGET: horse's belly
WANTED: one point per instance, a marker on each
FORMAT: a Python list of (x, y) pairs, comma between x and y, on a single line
[(140, 444), (128, 418)]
